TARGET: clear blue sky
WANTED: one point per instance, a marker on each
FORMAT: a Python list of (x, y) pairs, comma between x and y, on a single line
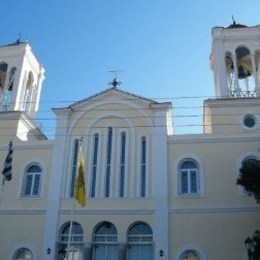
[(163, 46)]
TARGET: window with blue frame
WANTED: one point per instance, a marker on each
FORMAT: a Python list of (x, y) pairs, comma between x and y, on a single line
[(188, 177), (74, 166), (32, 181), (94, 166), (108, 161), (122, 165), (143, 166), (140, 242)]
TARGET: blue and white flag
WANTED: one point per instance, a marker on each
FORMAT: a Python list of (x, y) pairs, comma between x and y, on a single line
[(7, 171)]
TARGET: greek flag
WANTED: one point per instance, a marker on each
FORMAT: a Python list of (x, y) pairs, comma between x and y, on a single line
[(7, 171)]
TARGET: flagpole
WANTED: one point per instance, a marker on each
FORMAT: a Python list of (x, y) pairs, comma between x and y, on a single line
[(2, 191), (70, 229), (7, 169), (79, 167)]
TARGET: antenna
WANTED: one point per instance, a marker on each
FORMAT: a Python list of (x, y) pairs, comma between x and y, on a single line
[(116, 71)]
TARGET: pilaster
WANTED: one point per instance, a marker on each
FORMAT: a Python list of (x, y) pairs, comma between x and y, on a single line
[(160, 180), (54, 192)]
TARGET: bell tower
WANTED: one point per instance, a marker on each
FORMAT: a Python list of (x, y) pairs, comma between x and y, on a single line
[(21, 77), (235, 61)]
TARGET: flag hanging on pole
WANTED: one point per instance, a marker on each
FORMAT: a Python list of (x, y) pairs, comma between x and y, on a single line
[(7, 170), (80, 192)]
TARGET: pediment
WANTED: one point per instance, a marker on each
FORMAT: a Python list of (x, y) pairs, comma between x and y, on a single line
[(113, 95)]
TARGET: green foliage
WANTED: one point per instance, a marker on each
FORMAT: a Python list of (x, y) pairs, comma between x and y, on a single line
[(249, 177)]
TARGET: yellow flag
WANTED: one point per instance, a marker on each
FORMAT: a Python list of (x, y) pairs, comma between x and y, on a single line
[(79, 192)]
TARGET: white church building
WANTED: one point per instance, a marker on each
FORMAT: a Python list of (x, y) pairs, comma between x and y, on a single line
[(151, 194)]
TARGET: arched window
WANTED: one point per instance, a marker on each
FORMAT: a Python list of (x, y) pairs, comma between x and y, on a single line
[(140, 242), (190, 255), (23, 254), (11, 79), (244, 72), (188, 175), (71, 241), (3, 71), (3, 75), (32, 181), (105, 242), (28, 93), (249, 162)]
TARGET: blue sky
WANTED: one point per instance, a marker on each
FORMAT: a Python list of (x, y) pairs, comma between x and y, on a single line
[(163, 46)]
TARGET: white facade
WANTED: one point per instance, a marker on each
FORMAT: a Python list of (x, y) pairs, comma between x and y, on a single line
[(150, 194)]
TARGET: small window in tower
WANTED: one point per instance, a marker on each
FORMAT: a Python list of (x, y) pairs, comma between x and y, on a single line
[(249, 121)]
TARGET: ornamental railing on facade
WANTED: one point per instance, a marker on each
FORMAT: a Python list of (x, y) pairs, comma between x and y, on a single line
[(244, 94)]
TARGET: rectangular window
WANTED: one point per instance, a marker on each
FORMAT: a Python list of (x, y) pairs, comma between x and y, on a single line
[(193, 182), (36, 184), (94, 166), (29, 181), (74, 166), (122, 165), (108, 162), (143, 166), (184, 182)]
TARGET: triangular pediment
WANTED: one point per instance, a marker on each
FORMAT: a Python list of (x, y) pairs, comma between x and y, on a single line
[(113, 94)]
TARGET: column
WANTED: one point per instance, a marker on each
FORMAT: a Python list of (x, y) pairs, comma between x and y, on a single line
[(88, 251), (256, 79), (122, 251), (221, 88)]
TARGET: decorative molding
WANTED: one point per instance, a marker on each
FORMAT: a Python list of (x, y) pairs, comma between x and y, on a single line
[(108, 212), (211, 138), (213, 210), (31, 145), (22, 211), (131, 212)]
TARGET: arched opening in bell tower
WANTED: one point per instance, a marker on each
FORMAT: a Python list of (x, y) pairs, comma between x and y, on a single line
[(240, 73), (244, 69), (3, 74), (8, 90), (28, 93)]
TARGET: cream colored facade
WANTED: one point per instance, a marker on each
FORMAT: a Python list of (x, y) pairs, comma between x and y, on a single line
[(151, 194)]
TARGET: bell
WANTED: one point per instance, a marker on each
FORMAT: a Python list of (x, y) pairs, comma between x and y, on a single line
[(241, 72)]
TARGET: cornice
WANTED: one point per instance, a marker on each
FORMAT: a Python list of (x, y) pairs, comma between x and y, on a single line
[(213, 210), (232, 102), (62, 112), (22, 212), (84, 211), (211, 138), (30, 145)]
